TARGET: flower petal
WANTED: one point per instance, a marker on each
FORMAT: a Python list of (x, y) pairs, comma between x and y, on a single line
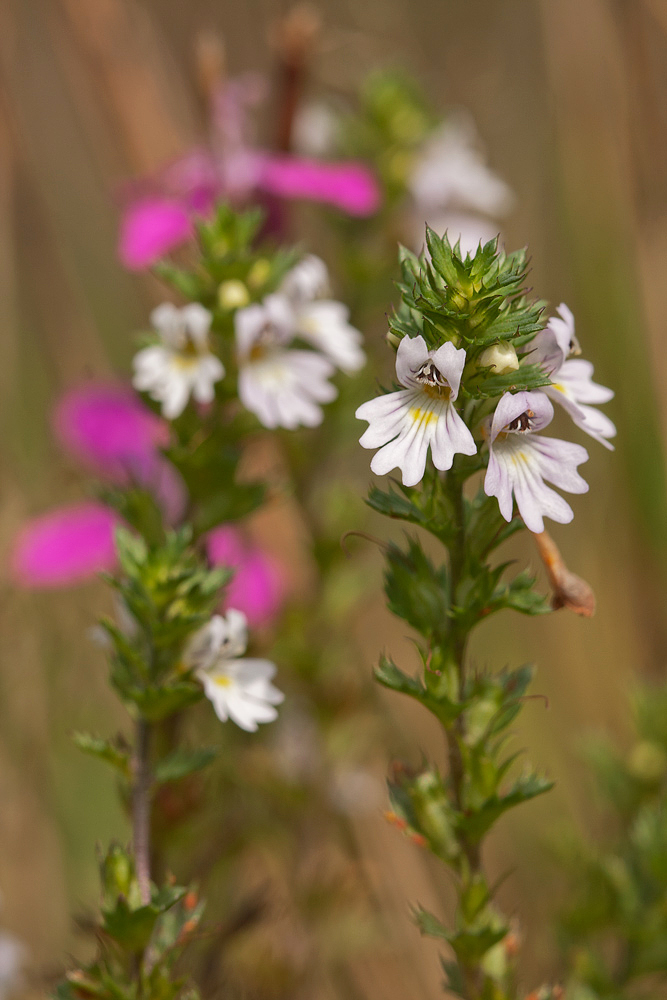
[(66, 546)]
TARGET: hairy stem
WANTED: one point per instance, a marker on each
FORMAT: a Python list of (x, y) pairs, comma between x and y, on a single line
[(141, 809), (472, 975)]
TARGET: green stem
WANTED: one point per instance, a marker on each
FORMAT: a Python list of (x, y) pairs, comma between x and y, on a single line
[(472, 974), (141, 809)]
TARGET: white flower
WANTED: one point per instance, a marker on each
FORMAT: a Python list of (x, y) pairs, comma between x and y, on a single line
[(307, 280), (451, 173), (502, 357), (239, 689), (282, 386), (320, 320), (573, 386), (520, 461), (407, 422), (182, 365)]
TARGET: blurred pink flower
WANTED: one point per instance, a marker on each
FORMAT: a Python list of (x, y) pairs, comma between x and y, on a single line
[(66, 546), (257, 588), (109, 430), (150, 228), (348, 185), (159, 216)]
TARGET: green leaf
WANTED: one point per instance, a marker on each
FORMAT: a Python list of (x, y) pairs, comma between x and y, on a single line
[(182, 762), (116, 753)]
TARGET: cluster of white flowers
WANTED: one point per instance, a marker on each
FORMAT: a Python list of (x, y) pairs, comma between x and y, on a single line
[(454, 190), (283, 385), (404, 424), (239, 689)]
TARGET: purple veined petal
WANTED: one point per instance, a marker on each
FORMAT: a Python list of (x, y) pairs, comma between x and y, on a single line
[(64, 547), (577, 377), (451, 437), (385, 416), (108, 429), (411, 354), (151, 228), (450, 361), (545, 350), (535, 500), (563, 328), (557, 462), (512, 405), (497, 483), (350, 186)]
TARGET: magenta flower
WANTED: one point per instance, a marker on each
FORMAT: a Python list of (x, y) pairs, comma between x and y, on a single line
[(258, 587), (350, 186), (150, 229), (161, 218), (66, 546), (109, 430)]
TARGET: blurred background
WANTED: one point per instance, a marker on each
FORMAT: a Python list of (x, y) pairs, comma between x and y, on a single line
[(570, 99)]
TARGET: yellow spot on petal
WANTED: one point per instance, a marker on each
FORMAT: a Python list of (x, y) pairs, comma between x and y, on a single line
[(425, 417), (222, 681)]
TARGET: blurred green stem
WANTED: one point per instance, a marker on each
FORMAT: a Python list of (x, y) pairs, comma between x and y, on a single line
[(454, 733), (141, 809)]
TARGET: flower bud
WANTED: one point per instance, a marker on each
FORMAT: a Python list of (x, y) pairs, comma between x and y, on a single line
[(501, 357), (233, 294), (259, 273)]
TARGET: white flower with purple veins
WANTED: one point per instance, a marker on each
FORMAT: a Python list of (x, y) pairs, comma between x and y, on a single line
[(282, 386), (320, 320), (182, 365), (573, 386), (521, 462), (239, 689), (404, 424), (453, 188)]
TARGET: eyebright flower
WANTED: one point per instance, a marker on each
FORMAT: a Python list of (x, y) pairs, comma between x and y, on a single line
[(320, 320), (573, 386), (521, 462), (182, 365), (282, 386), (407, 422), (239, 689)]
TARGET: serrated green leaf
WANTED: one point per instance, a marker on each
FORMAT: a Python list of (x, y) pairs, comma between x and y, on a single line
[(113, 753)]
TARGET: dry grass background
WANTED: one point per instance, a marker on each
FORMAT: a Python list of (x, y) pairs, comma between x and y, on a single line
[(571, 98)]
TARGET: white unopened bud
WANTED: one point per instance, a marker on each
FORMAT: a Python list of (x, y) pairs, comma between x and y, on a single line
[(233, 294), (501, 357)]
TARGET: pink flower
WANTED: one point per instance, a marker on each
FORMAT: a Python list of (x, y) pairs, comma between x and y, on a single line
[(150, 229), (66, 546), (232, 167), (110, 431), (257, 588), (349, 186)]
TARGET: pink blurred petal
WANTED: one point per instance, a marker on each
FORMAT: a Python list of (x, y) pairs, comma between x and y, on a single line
[(150, 229), (257, 588), (66, 546), (165, 483), (107, 428), (348, 185)]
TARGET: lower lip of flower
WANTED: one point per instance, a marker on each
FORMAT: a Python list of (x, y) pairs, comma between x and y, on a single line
[(425, 417)]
